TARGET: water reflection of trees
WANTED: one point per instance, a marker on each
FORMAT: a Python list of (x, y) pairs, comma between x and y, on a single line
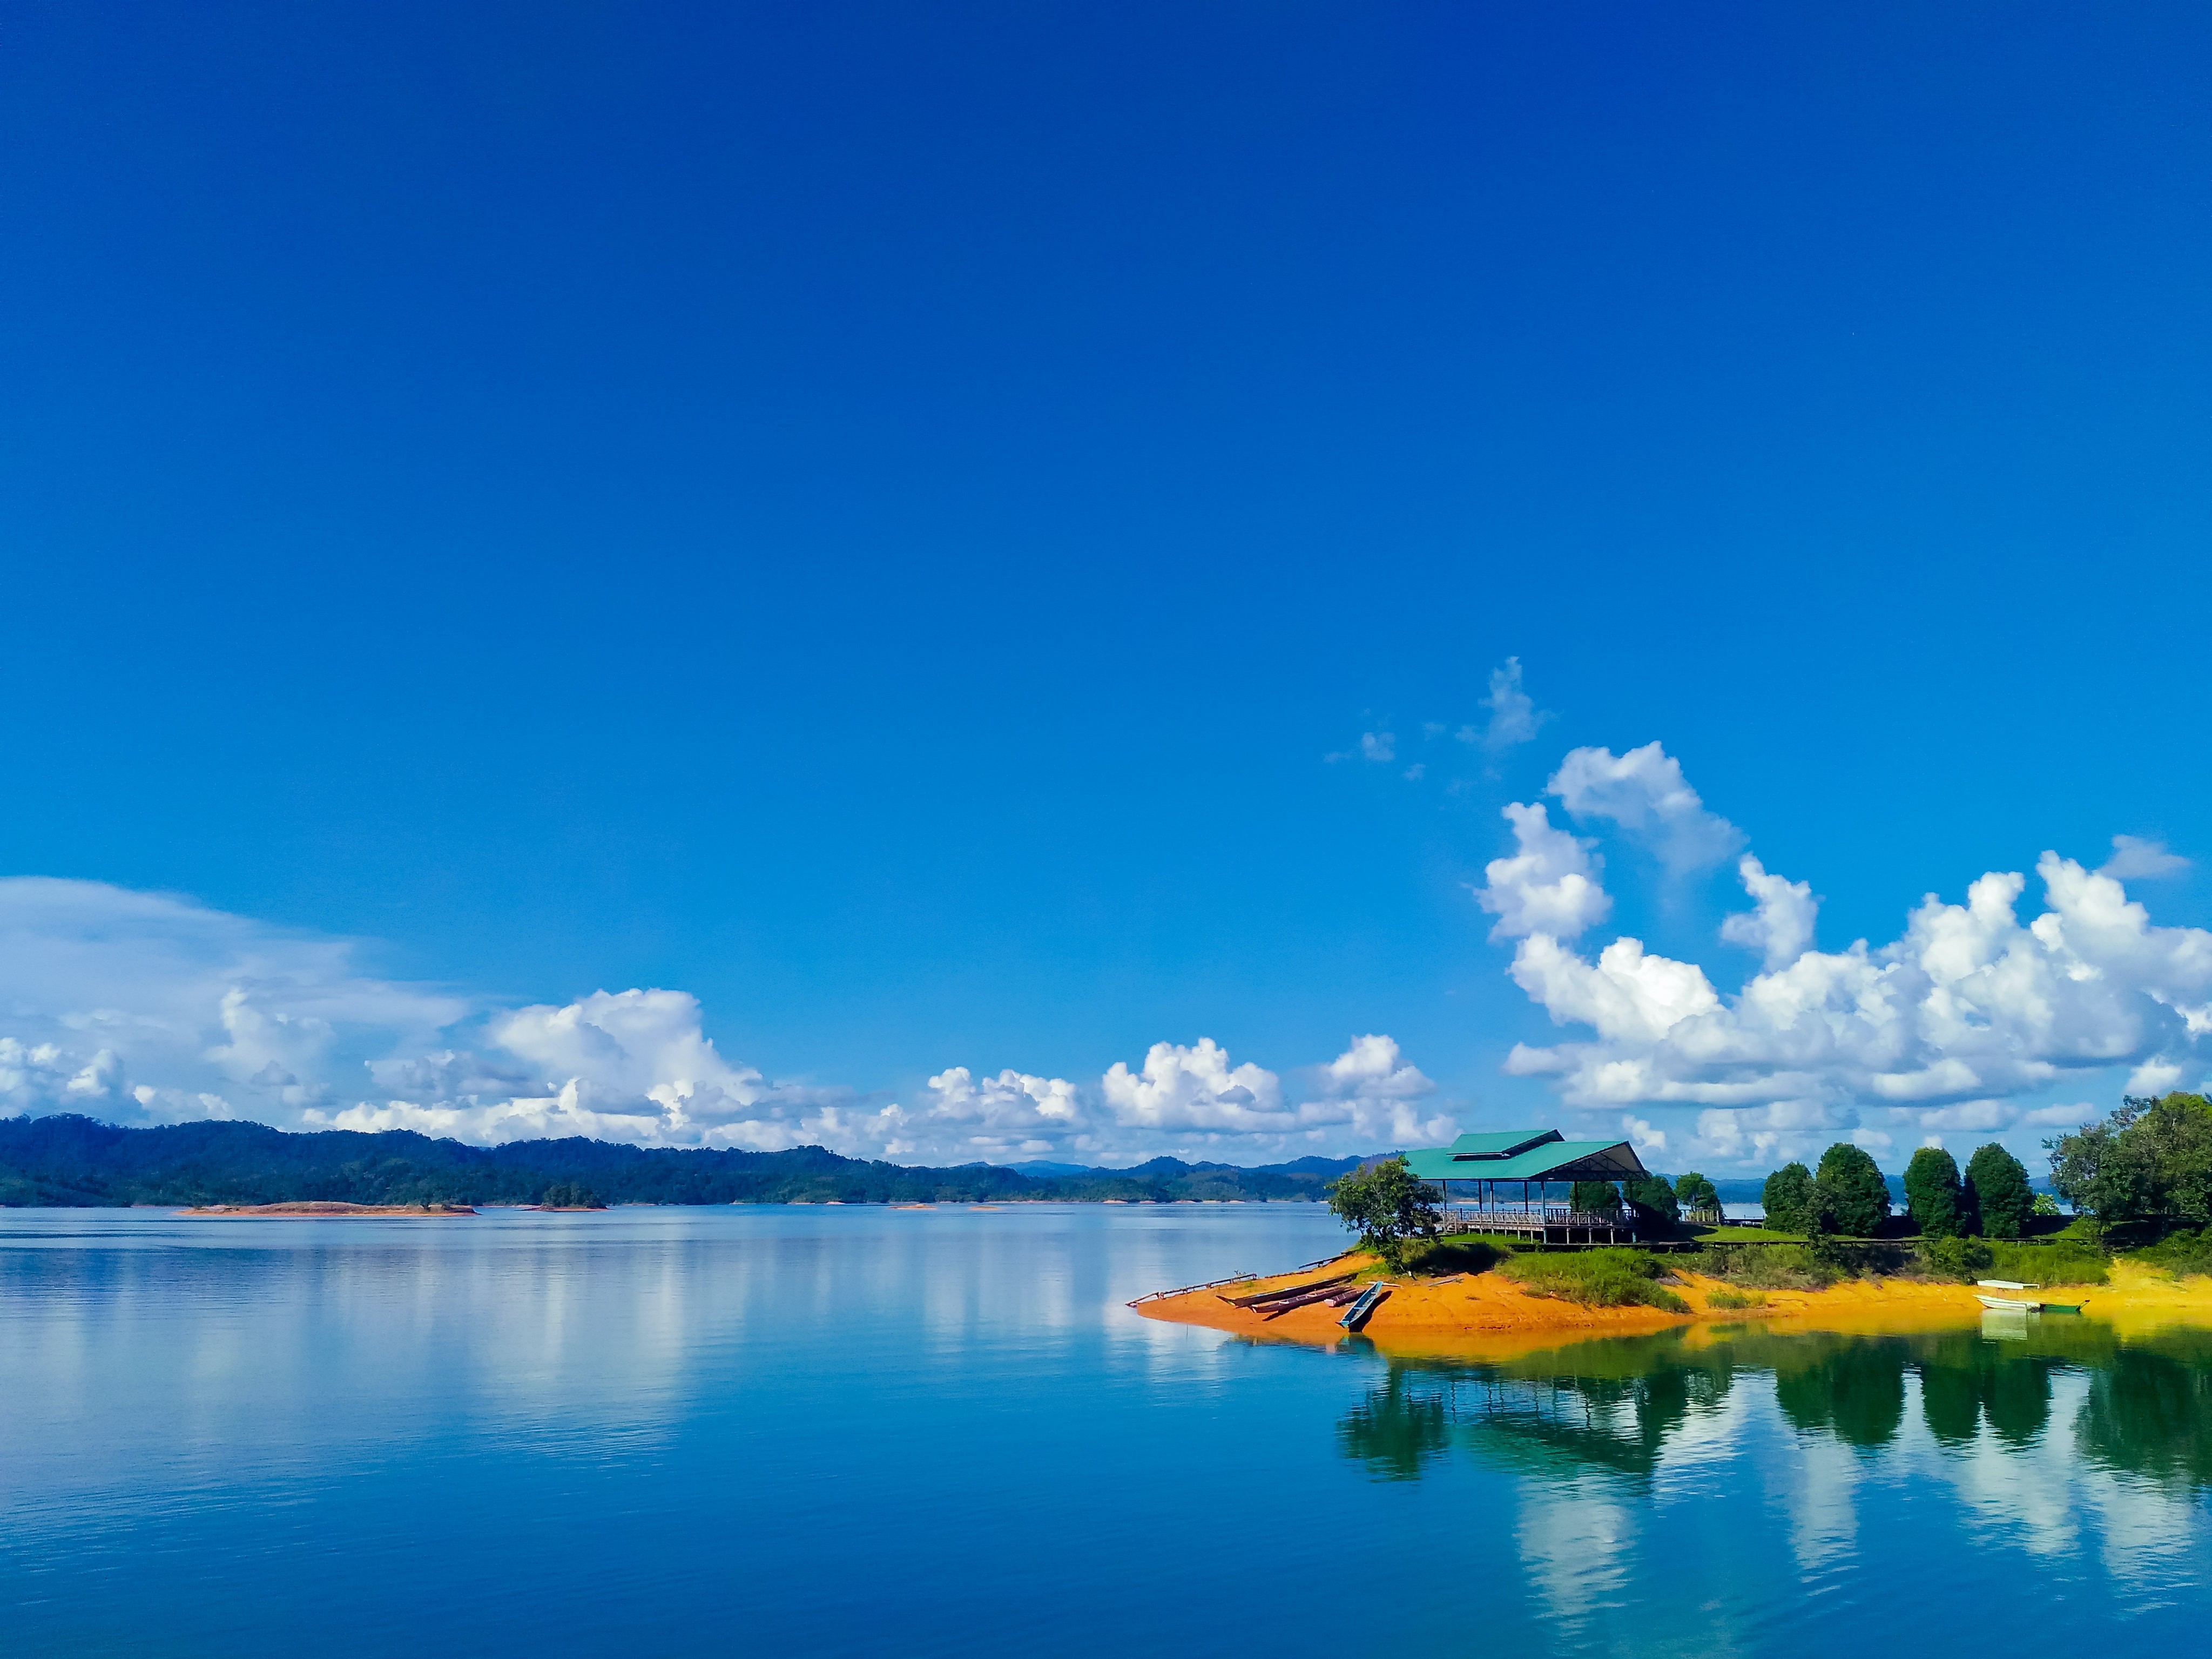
[(1618, 1404), (1614, 1410), (2150, 1412)]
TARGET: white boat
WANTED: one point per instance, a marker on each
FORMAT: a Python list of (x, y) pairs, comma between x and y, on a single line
[(2007, 1284), (2008, 1304)]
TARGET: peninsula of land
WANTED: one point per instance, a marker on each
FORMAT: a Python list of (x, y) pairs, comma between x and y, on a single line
[(1486, 1311)]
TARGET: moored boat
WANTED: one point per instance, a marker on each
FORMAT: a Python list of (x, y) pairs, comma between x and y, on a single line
[(1355, 1315)]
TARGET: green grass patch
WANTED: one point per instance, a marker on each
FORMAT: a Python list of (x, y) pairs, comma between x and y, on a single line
[(2061, 1261), (1742, 1236), (1728, 1298), (2179, 1253), (1771, 1267), (1595, 1278)]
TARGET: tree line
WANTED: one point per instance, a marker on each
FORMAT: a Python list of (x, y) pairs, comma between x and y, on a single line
[(73, 1161)]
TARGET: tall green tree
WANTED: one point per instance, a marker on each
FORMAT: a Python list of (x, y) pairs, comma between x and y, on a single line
[(1387, 1205), (1933, 1193), (1849, 1193), (1594, 1198), (1998, 1193), (2149, 1161), (1787, 1199), (1653, 1199), (1693, 1192)]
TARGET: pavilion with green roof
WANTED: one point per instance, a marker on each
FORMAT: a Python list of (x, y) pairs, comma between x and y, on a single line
[(1501, 1181)]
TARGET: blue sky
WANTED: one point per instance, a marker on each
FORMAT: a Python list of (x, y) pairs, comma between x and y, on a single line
[(869, 522)]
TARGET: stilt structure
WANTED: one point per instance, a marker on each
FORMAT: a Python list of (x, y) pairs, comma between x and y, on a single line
[(1501, 1182)]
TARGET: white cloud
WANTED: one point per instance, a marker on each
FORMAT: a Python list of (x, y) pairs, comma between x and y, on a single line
[(1780, 928), (1962, 1117), (1196, 1088), (1644, 793), (998, 1119), (145, 1007), (1968, 1009), (2135, 858), (1514, 716), (1629, 996), (1968, 1002), (138, 1008), (2154, 1076), (630, 1066), (1371, 1088), (1549, 886)]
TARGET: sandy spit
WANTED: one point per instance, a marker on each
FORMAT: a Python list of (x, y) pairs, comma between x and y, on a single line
[(1490, 1314)]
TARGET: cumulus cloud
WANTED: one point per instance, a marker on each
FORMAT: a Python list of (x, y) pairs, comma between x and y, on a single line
[(1780, 928), (1969, 1002), (2135, 858), (1371, 1088), (1549, 886), (141, 1008), (632, 1065), (1970, 1008), (1514, 716), (1190, 1101), (991, 1118), (1644, 793), (1196, 1088)]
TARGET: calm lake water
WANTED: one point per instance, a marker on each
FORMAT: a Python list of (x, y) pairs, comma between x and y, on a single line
[(754, 1430)]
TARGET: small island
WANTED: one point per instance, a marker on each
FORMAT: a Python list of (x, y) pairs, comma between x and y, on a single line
[(320, 1209)]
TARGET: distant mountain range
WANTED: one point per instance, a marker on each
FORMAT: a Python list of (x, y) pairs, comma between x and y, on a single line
[(73, 1161)]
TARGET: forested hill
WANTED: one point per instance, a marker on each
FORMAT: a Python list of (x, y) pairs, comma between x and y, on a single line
[(76, 1161)]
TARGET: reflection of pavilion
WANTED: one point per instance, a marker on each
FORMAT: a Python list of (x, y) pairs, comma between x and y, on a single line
[(1501, 1182), (1619, 1424)]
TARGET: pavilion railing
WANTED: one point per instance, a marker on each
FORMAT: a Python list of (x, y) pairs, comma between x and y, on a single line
[(1467, 1218)]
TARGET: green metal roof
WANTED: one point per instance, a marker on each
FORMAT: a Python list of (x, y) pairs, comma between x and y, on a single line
[(1550, 1160), (1501, 1143)]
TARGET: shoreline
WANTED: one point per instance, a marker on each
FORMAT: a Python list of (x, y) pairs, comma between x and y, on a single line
[(317, 1210), (1488, 1312)]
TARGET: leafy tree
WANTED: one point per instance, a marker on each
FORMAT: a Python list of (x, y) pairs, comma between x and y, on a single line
[(1653, 1200), (1388, 1205), (1998, 1192), (1787, 1199), (2150, 1160), (1933, 1195), (1594, 1198), (1694, 1191), (1849, 1195)]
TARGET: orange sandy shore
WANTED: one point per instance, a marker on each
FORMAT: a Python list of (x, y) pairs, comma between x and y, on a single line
[(321, 1210), (1489, 1314)]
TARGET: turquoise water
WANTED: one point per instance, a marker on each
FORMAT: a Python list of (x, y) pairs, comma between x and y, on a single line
[(853, 1431)]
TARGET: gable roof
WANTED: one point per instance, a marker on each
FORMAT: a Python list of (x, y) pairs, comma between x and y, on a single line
[(1549, 1159), (1500, 1143)]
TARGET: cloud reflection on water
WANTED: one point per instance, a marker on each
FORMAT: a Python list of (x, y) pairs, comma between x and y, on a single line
[(2065, 1446)]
